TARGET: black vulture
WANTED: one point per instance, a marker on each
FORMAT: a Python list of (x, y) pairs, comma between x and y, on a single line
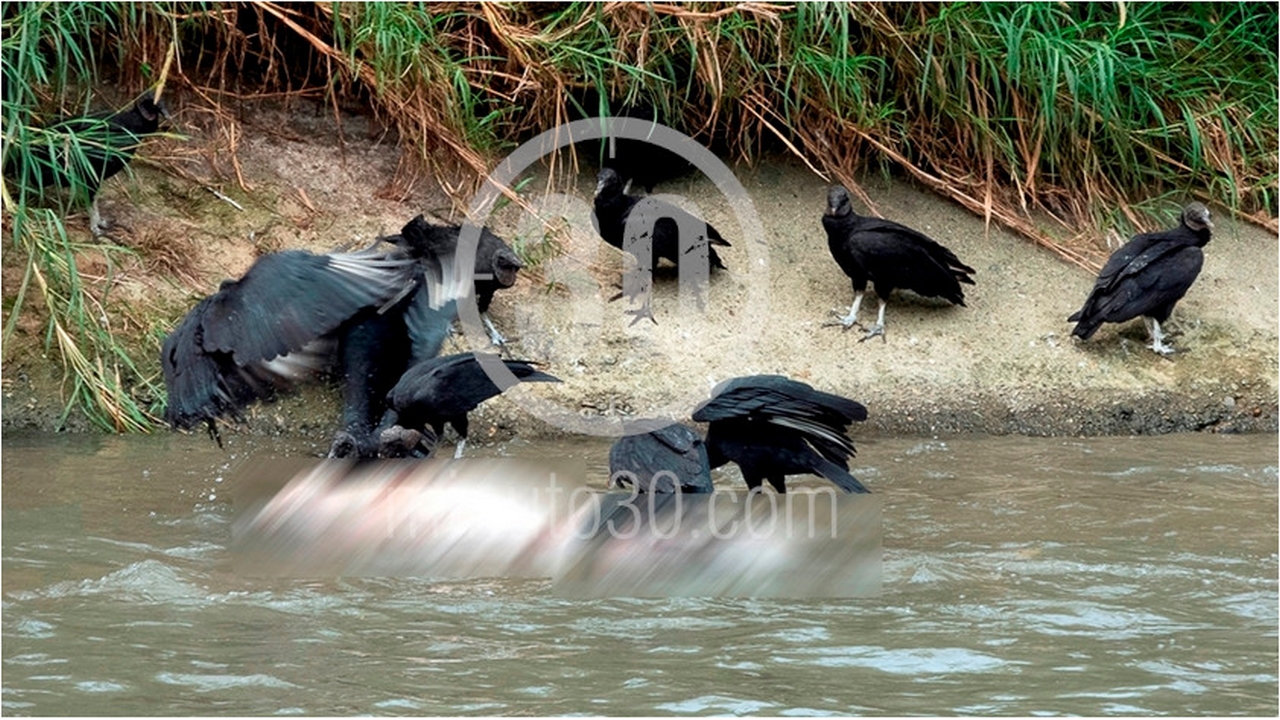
[(269, 329), (375, 350), (772, 426), (618, 215), (666, 460), (889, 255), (659, 228), (496, 264), (80, 153), (444, 389), (1147, 277), (379, 345), (294, 316)]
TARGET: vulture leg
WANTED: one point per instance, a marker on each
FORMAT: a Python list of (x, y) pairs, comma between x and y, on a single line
[(1157, 337), (878, 328)]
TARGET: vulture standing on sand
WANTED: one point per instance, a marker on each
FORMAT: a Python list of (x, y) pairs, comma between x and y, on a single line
[(80, 153), (667, 460), (1146, 277), (635, 224), (661, 221), (772, 426), (889, 255), (443, 390)]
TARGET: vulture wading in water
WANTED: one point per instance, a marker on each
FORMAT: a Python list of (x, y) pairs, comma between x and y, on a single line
[(667, 460), (772, 426)]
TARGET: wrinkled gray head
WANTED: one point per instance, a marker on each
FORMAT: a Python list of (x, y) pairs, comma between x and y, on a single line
[(1196, 217), (608, 183), (838, 204)]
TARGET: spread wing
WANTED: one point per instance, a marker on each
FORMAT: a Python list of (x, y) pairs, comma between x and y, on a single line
[(288, 299), (259, 334)]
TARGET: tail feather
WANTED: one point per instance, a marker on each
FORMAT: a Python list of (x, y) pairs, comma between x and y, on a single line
[(831, 443), (839, 476), (716, 262), (1087, 323)]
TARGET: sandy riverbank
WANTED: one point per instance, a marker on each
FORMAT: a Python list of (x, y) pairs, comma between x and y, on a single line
[(1004, 364)]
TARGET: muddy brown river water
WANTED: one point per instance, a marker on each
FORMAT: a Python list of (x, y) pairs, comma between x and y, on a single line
[(1021, 576)]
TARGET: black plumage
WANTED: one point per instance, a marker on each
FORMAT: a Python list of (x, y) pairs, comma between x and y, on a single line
[(377, 346), (669, 459), (373, 352), (891, 256), (444, 389), (772, 427), (80, 153), (1147, 277), (269, 329), (496, 263), (648, 219), (643, 161)]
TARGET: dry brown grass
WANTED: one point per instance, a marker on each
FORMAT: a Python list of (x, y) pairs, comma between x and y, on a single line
[(715, 71)]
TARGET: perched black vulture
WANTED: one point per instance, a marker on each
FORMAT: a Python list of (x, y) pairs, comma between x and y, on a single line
[(80, 153), (496, 264), (772, 427), (269, 329), (889, 255), (444, 389), (666, 460), (617, 213), (1147, 277)]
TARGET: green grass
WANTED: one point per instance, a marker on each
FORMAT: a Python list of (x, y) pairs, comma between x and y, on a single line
[(1099, 114), (1063, 107), (49, 56), (1066, 98)]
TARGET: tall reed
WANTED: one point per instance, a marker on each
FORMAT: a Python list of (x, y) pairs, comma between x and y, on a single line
[(50, 53)]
